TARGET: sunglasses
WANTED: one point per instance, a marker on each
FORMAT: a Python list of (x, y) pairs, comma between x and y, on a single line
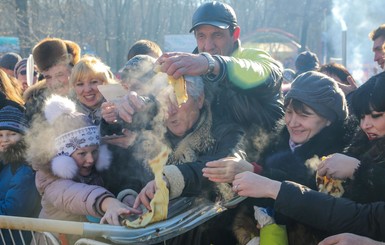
[(24, 72)]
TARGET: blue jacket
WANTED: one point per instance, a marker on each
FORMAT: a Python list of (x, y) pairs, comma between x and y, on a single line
[(18, 194)]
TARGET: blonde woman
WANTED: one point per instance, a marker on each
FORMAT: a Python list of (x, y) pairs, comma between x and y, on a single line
[(86, 75)]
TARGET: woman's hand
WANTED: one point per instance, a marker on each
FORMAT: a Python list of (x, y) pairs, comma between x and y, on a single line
[(338, 166), (115, 210), (253, 185), (109, 112), (225, 169)]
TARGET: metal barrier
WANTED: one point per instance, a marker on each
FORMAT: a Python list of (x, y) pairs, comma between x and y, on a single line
[(184, 215), (19, 237)]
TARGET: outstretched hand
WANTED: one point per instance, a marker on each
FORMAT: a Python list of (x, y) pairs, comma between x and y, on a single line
[(177, 64), (115, 210), (146, 195), (249, 184), (225, 169)]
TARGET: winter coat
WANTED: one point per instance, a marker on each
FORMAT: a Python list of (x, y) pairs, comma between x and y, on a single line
[(65, 199), (128, 168), (18, 194), (368, 182), (70, 197), (205, 142), (93, 114), (247, 90), (279, 162), (330, 214)]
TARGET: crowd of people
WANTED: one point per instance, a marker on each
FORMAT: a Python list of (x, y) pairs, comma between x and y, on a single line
[(246, 127)]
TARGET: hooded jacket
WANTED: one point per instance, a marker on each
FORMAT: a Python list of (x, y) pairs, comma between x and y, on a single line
[(18, 194), (73, 198), (17, 184)]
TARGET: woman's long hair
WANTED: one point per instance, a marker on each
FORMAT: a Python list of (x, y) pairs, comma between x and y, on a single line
[(10, 88)]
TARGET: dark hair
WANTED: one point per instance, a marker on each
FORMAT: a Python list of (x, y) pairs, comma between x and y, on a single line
[(298, 106), (336, 69), (379, 32), (144, 47), (369, 96)]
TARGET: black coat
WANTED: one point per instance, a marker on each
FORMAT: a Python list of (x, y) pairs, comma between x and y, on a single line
[(369, 183), (281, 163), (330, 214)]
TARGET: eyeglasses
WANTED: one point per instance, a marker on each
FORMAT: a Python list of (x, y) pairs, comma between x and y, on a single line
[(24, 72)]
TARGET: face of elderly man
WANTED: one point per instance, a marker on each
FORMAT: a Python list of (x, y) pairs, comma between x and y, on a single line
[(181, 119)]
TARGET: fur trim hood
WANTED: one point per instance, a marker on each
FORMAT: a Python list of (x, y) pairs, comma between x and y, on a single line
[(15, 155)]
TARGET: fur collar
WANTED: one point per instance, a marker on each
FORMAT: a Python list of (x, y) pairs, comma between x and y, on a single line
[(197, 141), (15, 155)]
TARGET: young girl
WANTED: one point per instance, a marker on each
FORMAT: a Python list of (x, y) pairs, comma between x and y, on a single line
[(67, 158), (18, 194)]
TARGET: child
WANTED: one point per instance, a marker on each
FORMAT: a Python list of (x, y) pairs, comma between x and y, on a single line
[(68, 158), (18, 194)]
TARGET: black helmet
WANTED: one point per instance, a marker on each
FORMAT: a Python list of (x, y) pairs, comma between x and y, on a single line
[(216, 14)]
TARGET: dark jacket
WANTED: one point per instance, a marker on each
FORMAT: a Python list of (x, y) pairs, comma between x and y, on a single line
[(369, 182), (128, 168), (279, 162), (330, 214), (247, 88), (206, 142)]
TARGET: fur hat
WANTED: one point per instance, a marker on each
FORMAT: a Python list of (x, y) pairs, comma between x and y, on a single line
[(50, 51), (73, 130), (321, 93)]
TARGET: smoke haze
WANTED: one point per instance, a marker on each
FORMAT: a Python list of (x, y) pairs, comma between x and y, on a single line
[(359, 18)]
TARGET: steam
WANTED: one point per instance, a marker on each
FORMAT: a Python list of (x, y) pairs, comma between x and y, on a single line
[(358, 19), (336, 11)]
